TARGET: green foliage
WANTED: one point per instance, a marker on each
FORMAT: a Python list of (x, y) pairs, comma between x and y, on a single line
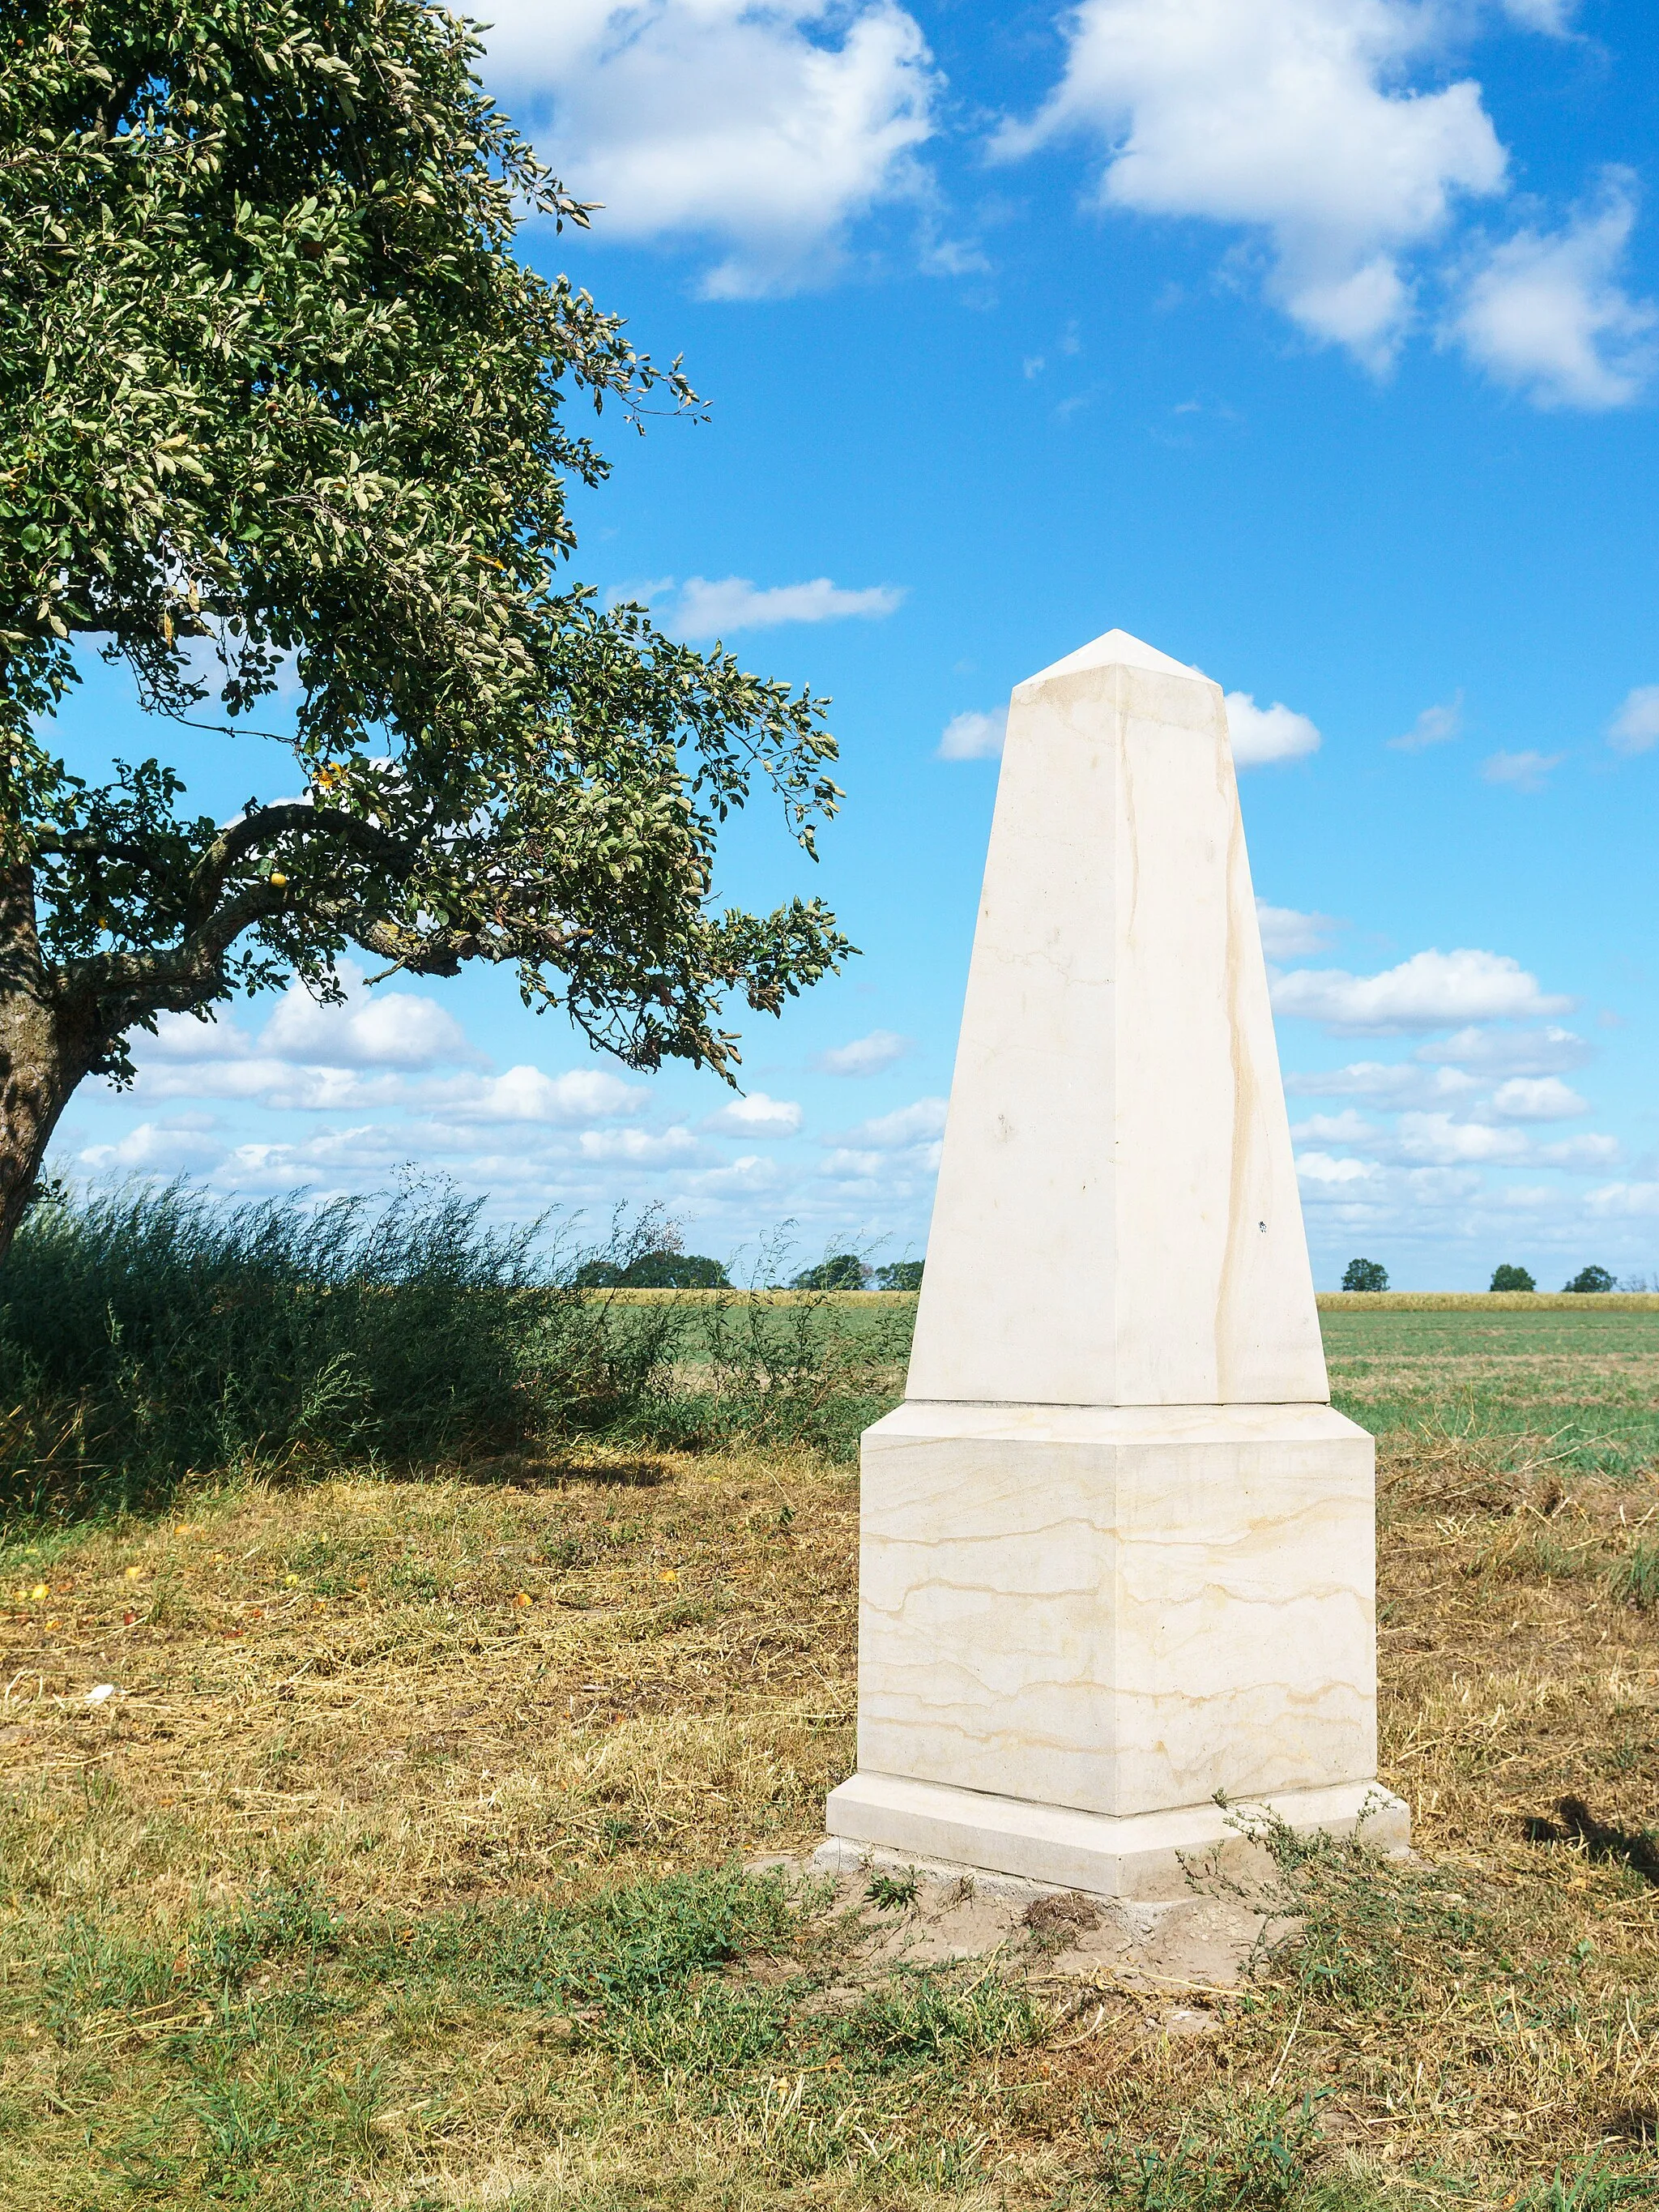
[(655, 1270), (818, 1371), (842, 1271), (891, 1893), (623, 1948), (286, 2027), (1592, 1282), (148, 1334), (1635, 1578), (171, 1334), (900, 1275), (278, 401), (1594, 2188), (1259, 2156), (1507, 1278), (1366, 1275)]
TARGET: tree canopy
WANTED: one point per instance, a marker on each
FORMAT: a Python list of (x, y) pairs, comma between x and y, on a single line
[(1366, 1275), (1508, 1278), (282, 412), (840, 1271), (660, 1269)]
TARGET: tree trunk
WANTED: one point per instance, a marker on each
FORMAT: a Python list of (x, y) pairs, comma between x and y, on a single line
[(41, 1060)]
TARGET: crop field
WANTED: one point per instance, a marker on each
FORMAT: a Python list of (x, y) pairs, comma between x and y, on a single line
[(379, 1838)]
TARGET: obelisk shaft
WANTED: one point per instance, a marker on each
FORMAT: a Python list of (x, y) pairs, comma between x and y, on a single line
[(1117, 1220)]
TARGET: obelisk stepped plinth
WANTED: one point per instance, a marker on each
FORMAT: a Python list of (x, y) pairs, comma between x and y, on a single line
[(1117, 1550)]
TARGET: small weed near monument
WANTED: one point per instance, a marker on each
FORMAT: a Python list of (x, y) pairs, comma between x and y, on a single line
[(377, 1839)]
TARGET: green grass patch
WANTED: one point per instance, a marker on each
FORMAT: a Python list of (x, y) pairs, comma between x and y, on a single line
[(279, 2053)]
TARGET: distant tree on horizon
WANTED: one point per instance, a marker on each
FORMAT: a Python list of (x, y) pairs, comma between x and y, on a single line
[(900, 1275), (1591, 1282), (842, 1271), (1366, 1275), (1507, 1278), (675, 1270), (662, 1268)]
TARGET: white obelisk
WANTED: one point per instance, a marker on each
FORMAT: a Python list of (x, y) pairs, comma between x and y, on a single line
[(1117, 1552)]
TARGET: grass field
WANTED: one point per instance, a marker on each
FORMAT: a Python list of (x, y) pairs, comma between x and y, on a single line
[(401, 1864)]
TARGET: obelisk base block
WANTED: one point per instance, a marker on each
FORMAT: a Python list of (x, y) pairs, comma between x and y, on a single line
[(1080, 1626), (1145, 1855)]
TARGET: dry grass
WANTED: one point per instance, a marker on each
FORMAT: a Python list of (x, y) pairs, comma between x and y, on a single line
[(408, 1687), (268, 1906)]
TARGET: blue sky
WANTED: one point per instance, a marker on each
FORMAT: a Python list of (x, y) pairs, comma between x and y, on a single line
[(1313, 341)]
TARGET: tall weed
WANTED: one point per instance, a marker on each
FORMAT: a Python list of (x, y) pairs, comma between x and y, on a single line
[(148, 1334), (818, 1371)]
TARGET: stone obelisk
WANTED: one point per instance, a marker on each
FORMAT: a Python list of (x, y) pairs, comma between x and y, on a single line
[(1117, 1552)]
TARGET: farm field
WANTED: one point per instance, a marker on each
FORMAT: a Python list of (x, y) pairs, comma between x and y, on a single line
[(402, 1863)]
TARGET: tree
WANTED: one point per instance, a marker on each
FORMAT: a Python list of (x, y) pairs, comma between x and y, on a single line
[(279, 406), (1591, 1281), (599, 1275), (900, 1275), (675, 1270), (1511, 1279), (844, 1271), (1366, 1275)]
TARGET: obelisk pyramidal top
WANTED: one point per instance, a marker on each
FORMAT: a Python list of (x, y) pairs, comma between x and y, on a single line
[(1117, 1221)]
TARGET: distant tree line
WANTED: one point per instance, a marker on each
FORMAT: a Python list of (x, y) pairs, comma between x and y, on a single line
[(845, 1271), (665, 1268), (1372, 1275), (660, 1270), (1589, 1281)]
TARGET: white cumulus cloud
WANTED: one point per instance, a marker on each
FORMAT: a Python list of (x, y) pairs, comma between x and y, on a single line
[(1537, 1098), (1523, 771), (1616, 1201), (1593, 1150), (1261, 734), (526, 1094), (751, 1174), (1435, 726), (756, 1115), (1546, 1051), (1347, 1127), (638, 1146), (974, 735), (183, 1036), (846, 1166), (393, 1029), (1439, 1141), (1330, 1170), (156, 1148), (1553, 17), (721, 608), (1290, 117), (1288, 935), (908, 1125), (1384, 1084), (1544, 312), (1635, 727), (263, 1081), (1431, 990), (864, 1055), (368, 1030), (763, 128)]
